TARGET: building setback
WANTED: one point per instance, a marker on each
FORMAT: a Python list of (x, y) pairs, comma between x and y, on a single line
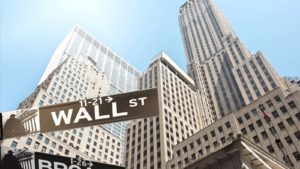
[(150, 141), (226, 74), (72, 80), (280, 138)]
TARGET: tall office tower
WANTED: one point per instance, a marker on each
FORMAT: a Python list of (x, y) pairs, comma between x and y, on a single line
[(72, 80), (150, 141), (226, 74), (122, 77)]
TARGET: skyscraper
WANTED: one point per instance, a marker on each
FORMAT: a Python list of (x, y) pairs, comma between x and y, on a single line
[(150, 140), (79, 43), (226, 74), (122, 77), (72, 80)]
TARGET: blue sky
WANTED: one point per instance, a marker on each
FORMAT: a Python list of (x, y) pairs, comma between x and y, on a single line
[(135, 29)]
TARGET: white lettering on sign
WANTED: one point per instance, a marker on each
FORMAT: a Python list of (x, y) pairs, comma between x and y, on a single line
[(45, 164), (62, 115), (115, 111), (142, 99), (83, 114), (97, 114), (134, 102)]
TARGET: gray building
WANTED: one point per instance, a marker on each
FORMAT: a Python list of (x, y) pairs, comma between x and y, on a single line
[(226, 74)]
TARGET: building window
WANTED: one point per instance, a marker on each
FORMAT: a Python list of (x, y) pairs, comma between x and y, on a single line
[(223, 140), (247, 116), (259, 123), (244, 131), (275, 114), (60, 148), (41, 103), (53, 145), (297, 134), (288, 140), (298, 116), (47, 141), (192, 145), (29, 141), (36, 145), (14, 144), (184, 149), (254, 111), (270, 149), (281, 126), (39, 136), (240, 120), (269, 103), (264, 135), (216, 144), (256, 139), (277, 99), (44, 149), (290, 121), (283, 109), (272, 130), (228, 124), (251, 127), (67, 152), (296, 155), (200, 152), (220, 129), (292, 104)]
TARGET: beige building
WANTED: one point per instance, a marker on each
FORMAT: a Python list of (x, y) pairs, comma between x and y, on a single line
[(72, 80), (280, 138), (150, 140), (226, 74)]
